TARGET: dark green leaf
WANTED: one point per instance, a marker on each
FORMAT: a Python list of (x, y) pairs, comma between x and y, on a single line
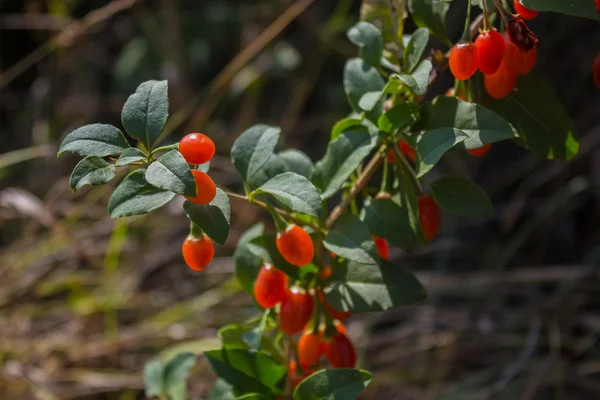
[(253, 155), (415, 48), (390, 221), (349, 238), (232, 338), (253, 338), (405, 194), (365, 288), (345, 125), (248, 371), (296, 161), (335, 384), (430, 14), (131, 155), (154, 378), (171, 172), (135, 196), (253, 396), (94, 140), (145, 112), (578, 8), (247, 264), (417, 82), (398, 117), (432, 146), (221, 390), (461, 196), (213, 218), (91, 170), (264, 247), (539, 116), (343, 156), (176, 373), (295, 193), (361, 78), (481, 125), (388, 16), (369, 41)]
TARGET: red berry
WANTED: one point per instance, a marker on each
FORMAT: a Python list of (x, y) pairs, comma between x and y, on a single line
[(480, 151), (295, 245), (408, 151), (520, 61), (596, 68), (429, 215), (339, 351), (325, 272), (524, 12), (500, 84), (335, 314), (197, 148), (598, 5), (391, 158), (206, 188), (270, 286), (309, 349), (198, 252), (490, 47), (463, 60), (295, 311), (383, 248)]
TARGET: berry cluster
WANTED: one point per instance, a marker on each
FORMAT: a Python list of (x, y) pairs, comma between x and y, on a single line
[(198, 249)]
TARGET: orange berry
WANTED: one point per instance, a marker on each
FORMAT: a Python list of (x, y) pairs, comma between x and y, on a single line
[(198, 252), (463, 60), (520, 61), (383, 248), (295, 310), (430, 216), (295, 246), (325, 272), (309, 349), (270, 286), (490, 47), (197, 148), (391, 158), (480, 151), (206, 188), (524, 12), (339, 351), (500, 84), (408, 151)]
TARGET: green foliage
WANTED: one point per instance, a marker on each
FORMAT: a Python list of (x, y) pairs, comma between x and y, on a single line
[(369, 41), (265, 248), (398, 117), (145, 112), (212, 218), (247, 264), (94, 140), (169, 380), (432, 146), (171, 172), (390, 221), (350, 238), (296, 161), (415, 48), (578, 8), (92, 170), (131, 155), (430, 14), (361, 78), (346, 124), (340, 384), (461, 196), (294, 192)]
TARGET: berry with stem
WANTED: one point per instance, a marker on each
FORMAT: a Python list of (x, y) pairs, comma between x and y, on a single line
[(463, 60), (490, 49), (197, 148), (207, 190), (270, 287), (295, 245), (198, 251)]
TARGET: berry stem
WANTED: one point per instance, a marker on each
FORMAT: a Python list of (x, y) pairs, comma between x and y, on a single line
[(316, 315), (173, 146), (384, 178), (196, 231), (466, 36), (486, 22)]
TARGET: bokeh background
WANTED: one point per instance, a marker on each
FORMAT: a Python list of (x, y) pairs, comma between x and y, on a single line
[(85, 301)]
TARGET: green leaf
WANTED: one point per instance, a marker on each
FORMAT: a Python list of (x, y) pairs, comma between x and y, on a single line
[(361, 78), (539, 116), (417, 82), (135, 196), (415, 48), (345, 125), (221, 390), (388, 16), (481, 125), (253, 155), (295, 193), (390, 221), (264, 247), (232, 338), (335, 384), (91, 170), (349, 238), (176, 373), (94, 140), (204, 167), (405, 194), (131, 155), (247, 264), (364, 288), (578, 8), (248, 371), (253, 338), (432, 146), (398, 117), (460, 196), (369, 41), (171, 172), (154, 384), (145, 112), (253, 396), (296, 161), (430, 14), (213, 218), (342, 157)]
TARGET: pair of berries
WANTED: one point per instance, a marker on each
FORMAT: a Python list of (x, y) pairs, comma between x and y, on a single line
[(337, 349), (295, 245), (405, 149), (270, 289), (486, 54), (196, 149)]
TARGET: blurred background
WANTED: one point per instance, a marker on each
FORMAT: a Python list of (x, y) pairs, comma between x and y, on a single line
[(85, 301)]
